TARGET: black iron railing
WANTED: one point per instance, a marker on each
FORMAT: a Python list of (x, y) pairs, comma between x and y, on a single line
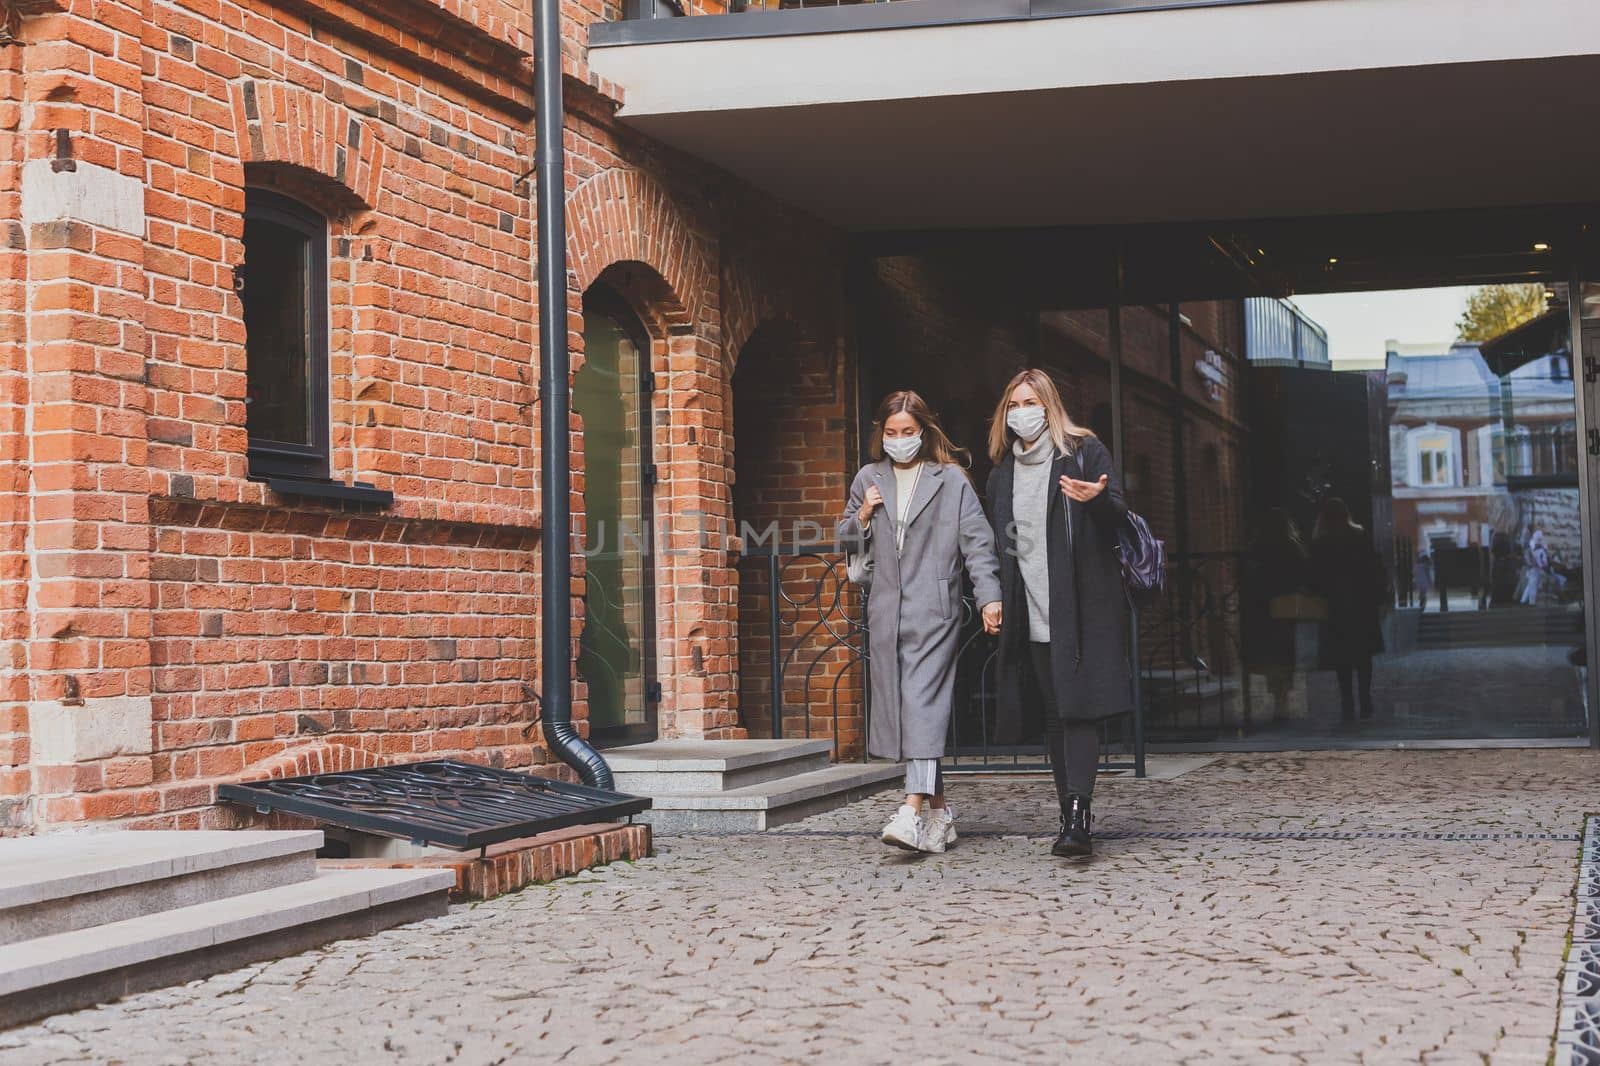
[(1192, 682), (805, 669), (803, 645), (980, 742)]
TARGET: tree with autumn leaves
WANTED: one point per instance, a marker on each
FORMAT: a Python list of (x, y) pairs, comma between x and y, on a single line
[(1495, 310)]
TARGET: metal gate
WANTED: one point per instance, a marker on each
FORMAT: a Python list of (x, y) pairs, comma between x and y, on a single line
[(805, 669)]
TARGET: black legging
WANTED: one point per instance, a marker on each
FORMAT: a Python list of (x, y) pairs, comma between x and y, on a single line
[(1351, 675), (1074, 746)]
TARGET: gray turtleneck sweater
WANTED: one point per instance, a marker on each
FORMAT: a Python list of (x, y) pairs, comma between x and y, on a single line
[(1030, 507)]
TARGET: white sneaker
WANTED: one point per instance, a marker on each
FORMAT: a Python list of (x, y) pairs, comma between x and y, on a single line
[(904, 829), (939, 830)]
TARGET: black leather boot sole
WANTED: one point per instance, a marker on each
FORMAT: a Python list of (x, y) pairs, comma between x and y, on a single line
[(1073, 845)]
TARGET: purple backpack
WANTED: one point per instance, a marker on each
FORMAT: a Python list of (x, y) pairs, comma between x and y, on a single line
[(1144, 557)]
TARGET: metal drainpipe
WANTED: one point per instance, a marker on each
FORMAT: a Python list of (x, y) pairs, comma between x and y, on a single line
[(555, 483)]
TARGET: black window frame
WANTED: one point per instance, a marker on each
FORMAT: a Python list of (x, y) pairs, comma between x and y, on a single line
[(280, 459)]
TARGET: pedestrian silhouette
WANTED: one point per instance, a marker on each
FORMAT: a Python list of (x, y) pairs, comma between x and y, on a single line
[(1347, 573), (1275, 603)]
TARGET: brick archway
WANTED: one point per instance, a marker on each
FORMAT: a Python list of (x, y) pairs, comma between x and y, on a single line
[(626, 231), (278, 123), (620, 216)]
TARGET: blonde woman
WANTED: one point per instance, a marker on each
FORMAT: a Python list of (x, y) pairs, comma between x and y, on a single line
[(1056, 507), (916, 511)]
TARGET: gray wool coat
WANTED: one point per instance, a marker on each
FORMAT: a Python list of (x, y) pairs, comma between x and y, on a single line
[(914, 608)]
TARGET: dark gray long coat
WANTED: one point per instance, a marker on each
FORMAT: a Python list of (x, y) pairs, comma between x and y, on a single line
[(1088, 606), (914, 609)]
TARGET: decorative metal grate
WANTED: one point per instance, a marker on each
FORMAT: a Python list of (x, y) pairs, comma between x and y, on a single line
[(1578, 1038), (444, 803), (1583, 972), (1586, 927), (1580, 1043)]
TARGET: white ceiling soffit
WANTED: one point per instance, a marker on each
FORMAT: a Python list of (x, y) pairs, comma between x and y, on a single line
[(1304, 107), (1249, 40)]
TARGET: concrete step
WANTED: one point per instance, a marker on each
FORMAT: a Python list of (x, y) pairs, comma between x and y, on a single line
[(756, 808), (1509, 628), (74, 969), (57, 884), (693, 767)]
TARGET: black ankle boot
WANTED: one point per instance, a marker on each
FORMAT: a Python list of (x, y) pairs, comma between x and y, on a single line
[(1076, 840)]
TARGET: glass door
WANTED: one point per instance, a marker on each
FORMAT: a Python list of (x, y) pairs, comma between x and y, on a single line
[(617, 648), (1586, 455)]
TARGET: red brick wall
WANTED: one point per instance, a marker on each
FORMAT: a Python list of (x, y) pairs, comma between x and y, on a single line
[(15, 785), (148, 583)]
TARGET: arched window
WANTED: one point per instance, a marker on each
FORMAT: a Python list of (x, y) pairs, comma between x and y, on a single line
[(283, 285)]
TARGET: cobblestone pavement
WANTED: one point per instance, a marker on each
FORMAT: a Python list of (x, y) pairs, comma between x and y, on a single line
[(818, 942)]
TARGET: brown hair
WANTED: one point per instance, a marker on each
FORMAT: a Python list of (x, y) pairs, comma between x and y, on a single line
[(1062, 429), (935, 445)]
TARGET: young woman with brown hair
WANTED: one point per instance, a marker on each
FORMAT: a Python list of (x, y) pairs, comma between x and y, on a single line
[(1056, 507), (915, 510)]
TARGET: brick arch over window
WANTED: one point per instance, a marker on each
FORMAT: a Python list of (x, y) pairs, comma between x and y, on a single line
[(287, 125), (621, 216), (649, 295)]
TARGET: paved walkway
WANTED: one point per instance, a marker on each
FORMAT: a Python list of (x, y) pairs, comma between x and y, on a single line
[(817, 941)]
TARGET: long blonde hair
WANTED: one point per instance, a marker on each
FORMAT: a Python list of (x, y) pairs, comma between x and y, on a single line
[(936, 446), (1064, 432)]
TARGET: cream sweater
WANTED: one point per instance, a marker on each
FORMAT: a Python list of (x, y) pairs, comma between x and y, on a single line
[(1030, 507)]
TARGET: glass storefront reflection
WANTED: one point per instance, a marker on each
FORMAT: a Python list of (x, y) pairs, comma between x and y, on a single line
[(1404, 558)]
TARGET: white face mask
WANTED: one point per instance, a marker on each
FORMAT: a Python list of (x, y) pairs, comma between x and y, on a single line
[(1026, 422), (902, 449)]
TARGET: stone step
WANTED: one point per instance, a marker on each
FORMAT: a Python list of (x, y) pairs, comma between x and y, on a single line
[(57, 884), (693, 767), (1488, 629), (85, 966), (756, 808)]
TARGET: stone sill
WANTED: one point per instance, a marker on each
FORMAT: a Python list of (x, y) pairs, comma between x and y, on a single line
[(359, 494)]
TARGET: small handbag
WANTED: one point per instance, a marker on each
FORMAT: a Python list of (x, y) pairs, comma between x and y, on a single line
[(858, 565)]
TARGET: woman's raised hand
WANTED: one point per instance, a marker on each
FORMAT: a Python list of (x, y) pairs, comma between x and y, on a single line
[(991, 618), (872, 501), (1083, 491)]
